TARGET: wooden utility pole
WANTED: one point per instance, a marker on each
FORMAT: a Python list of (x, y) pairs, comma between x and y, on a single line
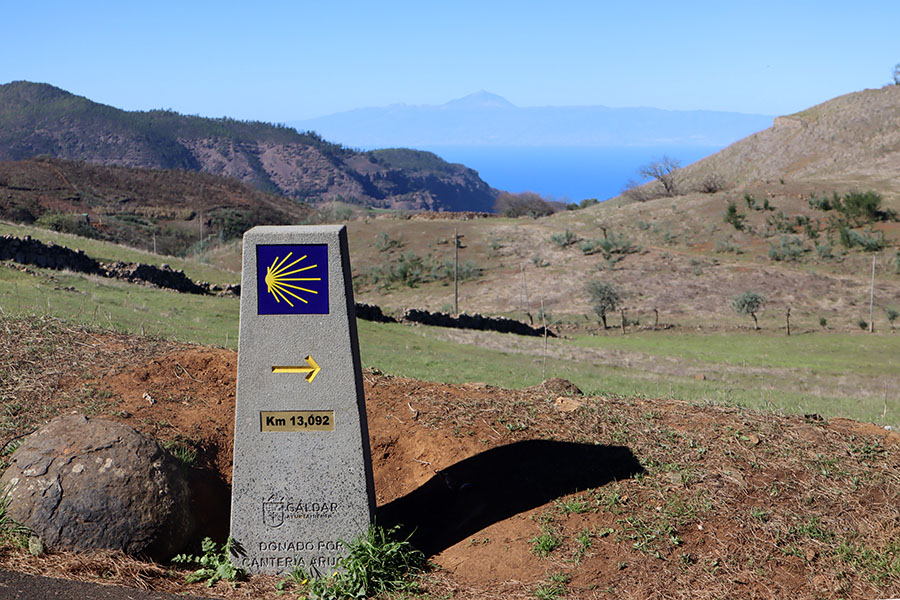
[(544, 361), (872, 298), (787, 318), (527, 303), (456, 271)]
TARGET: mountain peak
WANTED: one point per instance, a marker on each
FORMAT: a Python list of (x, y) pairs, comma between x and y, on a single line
[(480, 99)]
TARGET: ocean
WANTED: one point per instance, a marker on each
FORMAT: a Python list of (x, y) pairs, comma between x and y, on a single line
[(568, 174)]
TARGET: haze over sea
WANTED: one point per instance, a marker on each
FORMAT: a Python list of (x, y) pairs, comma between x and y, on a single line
[(565, 173)]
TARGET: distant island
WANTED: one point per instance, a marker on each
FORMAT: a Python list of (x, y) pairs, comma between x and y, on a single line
[(486, 119)]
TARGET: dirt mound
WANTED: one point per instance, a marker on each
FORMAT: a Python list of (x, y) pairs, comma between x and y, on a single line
[(513, 491)]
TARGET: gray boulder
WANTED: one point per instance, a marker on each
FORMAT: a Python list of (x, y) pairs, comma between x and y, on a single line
[(82, 483)]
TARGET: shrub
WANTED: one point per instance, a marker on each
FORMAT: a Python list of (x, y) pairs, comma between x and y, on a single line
[(711, 184), (67, 223), (869, 243), (411, 270), (864, 207), (384, 242), (892, 314), (733, 217), (749, 303), (609, 245), (564, 240), (822, 203), (789, 248), (726, 245), (779, 222), (604, 298), (823, 250)]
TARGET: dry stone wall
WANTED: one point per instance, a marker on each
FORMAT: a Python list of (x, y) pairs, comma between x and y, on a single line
[(29, 251), (476, 321)]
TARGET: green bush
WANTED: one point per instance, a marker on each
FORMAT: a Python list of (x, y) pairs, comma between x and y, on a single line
[(822, 203), (67, 223), (609, 245), (412, 270), (789, 248), (564, 240), (384, 242), (864, 207), (869, 243), (727, 245), (733, 217)]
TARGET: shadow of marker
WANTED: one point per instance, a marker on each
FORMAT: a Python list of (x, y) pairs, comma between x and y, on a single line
[(499, 483)]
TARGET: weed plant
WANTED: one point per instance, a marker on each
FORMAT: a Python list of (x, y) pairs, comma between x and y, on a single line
[(214, 563), (376, 563)]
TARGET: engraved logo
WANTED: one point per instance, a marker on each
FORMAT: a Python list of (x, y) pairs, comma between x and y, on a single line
[(273, 512)]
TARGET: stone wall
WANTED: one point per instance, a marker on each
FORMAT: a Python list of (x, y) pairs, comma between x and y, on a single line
[(28, 251), (476, 321)]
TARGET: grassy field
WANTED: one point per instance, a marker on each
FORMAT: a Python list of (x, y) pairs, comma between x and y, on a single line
[(849, 375), (829, 373)]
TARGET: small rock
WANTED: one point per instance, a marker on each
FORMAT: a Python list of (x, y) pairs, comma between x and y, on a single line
[(565, 404)]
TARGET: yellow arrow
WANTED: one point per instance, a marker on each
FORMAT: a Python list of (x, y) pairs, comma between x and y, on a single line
[(311, 371)]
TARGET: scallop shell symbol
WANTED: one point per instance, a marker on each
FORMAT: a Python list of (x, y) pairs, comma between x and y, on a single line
[(278, 276)]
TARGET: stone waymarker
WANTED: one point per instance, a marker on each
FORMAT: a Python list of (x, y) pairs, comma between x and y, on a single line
[(302, 471)]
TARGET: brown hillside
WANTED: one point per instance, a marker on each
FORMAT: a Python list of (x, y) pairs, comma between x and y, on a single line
[(852, 139), (131, 205)]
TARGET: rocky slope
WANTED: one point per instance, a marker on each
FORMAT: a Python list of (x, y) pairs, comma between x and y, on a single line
[(39, 119)]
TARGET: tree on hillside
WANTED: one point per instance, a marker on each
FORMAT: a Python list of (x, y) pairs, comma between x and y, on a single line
[(524, 204), (665, 172), (749, 303), (604, 298), (897, 74)]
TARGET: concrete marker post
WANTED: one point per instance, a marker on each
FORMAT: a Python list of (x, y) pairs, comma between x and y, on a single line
[(302, 475)]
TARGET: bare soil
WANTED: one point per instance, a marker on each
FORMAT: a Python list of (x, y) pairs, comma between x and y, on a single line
[(630, 498)]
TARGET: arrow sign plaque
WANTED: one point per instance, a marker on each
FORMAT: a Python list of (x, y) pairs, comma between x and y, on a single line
[(312, 369)]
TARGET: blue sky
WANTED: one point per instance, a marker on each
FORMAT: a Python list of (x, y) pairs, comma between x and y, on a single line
[(282, 61)]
